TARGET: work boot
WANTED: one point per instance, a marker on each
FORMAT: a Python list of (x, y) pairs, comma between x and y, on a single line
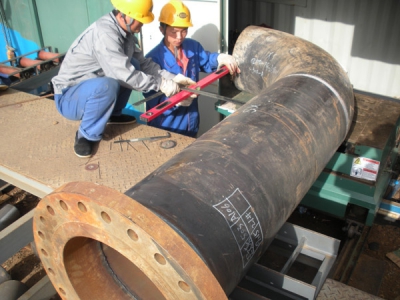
[(121, 120), (83, 147)]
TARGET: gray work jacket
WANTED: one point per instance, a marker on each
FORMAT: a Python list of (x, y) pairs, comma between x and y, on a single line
[(105, 49)]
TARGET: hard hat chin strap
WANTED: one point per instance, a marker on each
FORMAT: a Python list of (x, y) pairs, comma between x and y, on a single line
[(128, 26)]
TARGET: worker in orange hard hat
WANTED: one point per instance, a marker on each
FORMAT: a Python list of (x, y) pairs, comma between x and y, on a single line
[(185, 57), (101, 68)]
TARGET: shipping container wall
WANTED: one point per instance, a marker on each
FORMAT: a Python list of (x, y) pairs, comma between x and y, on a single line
[(33, 24), (63, 21), (19, 28), (29, 25), (363, 35)]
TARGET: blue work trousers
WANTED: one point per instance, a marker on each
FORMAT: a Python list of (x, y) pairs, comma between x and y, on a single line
[(93, 102)]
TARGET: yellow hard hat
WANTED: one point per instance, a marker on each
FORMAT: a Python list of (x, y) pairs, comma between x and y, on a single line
[(140, 10), (175, 14)]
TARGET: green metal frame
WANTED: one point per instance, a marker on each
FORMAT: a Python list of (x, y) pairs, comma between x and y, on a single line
[(334, 189)]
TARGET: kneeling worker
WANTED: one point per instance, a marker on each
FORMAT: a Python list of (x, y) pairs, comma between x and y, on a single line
[(101, 68)]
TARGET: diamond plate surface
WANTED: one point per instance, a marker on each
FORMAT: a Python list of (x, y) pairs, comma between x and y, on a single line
[(334, 290), (37, 142), (11, 97)]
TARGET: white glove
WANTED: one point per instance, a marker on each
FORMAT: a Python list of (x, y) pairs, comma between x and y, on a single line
[(229, 61), (186, 102), (183, 80), (169, 87)]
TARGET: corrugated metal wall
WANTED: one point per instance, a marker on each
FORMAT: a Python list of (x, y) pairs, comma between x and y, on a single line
[(63, 21), (38, 23), (363, 35)]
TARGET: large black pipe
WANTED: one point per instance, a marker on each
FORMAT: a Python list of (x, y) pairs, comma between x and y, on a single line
[(229, 192)]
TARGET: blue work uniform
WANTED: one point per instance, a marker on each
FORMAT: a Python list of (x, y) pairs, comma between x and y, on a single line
[(181, 119)]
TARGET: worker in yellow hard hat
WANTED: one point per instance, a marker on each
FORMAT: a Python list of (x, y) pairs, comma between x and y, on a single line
[(101, 68), (138, 12), (185, 57)]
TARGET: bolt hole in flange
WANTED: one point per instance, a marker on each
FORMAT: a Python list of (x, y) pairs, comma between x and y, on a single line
[(51, 271), (62, 291), (82, 207), (160, 259), (105, 216), (133, 235), (63, 205), (184, 286), (50, 210)]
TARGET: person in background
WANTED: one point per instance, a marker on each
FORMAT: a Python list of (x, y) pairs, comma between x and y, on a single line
[(101, 68), (180, 55), (4, 82)]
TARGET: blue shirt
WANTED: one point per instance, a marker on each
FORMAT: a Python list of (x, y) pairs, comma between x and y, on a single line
[(181, 119)]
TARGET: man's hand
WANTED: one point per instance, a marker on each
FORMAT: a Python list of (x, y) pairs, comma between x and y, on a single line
[(183, 80), (229, 61), (169, 87)]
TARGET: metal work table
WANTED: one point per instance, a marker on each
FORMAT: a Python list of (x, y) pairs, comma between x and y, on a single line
[(47, 161)]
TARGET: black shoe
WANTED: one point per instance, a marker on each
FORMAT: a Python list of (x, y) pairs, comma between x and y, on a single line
[(83, 147), (121, 120)]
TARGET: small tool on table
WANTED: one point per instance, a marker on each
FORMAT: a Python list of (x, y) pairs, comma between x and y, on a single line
[(145, 138)]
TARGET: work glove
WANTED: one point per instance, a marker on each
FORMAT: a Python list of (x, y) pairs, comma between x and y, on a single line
[(183, 80), (229, 61), (186, 102), (169, 87)]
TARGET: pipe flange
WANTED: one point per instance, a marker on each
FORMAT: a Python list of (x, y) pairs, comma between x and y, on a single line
[(97, 243)]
